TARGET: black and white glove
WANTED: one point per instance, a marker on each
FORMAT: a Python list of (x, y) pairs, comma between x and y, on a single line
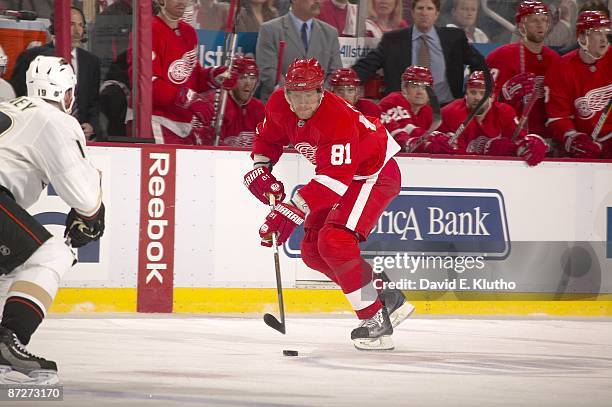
[(81, 229)]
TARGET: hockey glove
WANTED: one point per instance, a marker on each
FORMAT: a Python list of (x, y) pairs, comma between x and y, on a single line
[(518, 87), (438, 143), (81, 229), (580, 145), (500, 146), (282, 220), (203, 109), (262, 183), (224, 77), (532, 149)]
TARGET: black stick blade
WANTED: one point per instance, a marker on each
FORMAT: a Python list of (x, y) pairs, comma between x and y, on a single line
[(274, 323)]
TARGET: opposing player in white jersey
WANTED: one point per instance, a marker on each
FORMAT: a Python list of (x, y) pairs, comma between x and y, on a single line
[(579, 90), (40, 144)]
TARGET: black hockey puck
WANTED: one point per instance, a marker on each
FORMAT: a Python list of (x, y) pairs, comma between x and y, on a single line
[(290, 352)]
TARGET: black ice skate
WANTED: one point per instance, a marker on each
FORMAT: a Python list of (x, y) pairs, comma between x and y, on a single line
[(374, 333), (14, 358), (399, 309)]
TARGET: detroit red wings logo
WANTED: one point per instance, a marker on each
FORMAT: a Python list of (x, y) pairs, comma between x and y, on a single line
[(594, 101), (307, 151), (180, 70)]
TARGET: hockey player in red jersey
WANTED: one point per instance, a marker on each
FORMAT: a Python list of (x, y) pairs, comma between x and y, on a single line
[(345, 83), (579, 89), (242, 112), (408, 116), (491, 131), (356, 178), (515, 66), (178, 77)]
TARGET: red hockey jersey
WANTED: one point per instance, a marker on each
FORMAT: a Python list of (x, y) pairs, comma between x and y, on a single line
[(239, 122), (499, 120), (403, 124), (338, 140), (175, 65), (505, 62), (368, 107), (578, 94)]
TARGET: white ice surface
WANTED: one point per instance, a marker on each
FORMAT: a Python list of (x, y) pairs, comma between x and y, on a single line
[(221, 361)]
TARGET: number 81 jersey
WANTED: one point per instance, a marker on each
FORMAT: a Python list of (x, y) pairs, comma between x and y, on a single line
[(338, 139)]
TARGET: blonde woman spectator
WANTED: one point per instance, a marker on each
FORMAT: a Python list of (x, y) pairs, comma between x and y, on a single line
[(465, 13), (253, 13), (383, 16)]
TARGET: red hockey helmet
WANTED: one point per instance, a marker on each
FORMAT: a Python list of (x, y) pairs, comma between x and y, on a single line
[(304, 74), (529, 7), (344, 77), (415, 73), (476, 80), (587, 20), (245, 65)]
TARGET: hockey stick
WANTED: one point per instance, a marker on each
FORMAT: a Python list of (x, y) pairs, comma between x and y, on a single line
[(526, 110), (470, 117), (19, 15), (279, 64), (270, 319), (221, 96), (496, 17), (601, 122)]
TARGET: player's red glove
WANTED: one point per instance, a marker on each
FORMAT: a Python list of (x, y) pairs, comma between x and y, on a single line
[(282, 220), (580, 145), (196, 103), (532, 148), (262, 183), (518, 86), (223, 77), (438, 143), (500, 146)]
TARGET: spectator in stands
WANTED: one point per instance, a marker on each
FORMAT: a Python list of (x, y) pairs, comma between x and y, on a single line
[(6, 90), (444, 49), (563, 24), (178, 78), (304, 37), (579, 91), (465, 13), (345, 83), (340, 14), (254, 13), (242, 112), (491, 132), (384, 16), (212, 15), (514, 66), (85, 64)]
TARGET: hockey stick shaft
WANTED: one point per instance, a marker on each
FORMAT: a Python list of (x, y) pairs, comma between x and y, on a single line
[(602, 120), (470, 117), (533, 98), (269, 319), (279, 64)]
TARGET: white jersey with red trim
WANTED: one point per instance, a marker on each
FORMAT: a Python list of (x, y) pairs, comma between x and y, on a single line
[(505, 63), (39, 144), (578, 94), (338, 140)]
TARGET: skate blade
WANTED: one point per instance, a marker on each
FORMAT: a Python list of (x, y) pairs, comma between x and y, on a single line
[(35, 377), (400, 314), (383, 343)]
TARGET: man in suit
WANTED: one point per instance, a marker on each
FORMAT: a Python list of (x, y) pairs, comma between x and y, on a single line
[(86, 65), (304, 36), (445, 50)]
